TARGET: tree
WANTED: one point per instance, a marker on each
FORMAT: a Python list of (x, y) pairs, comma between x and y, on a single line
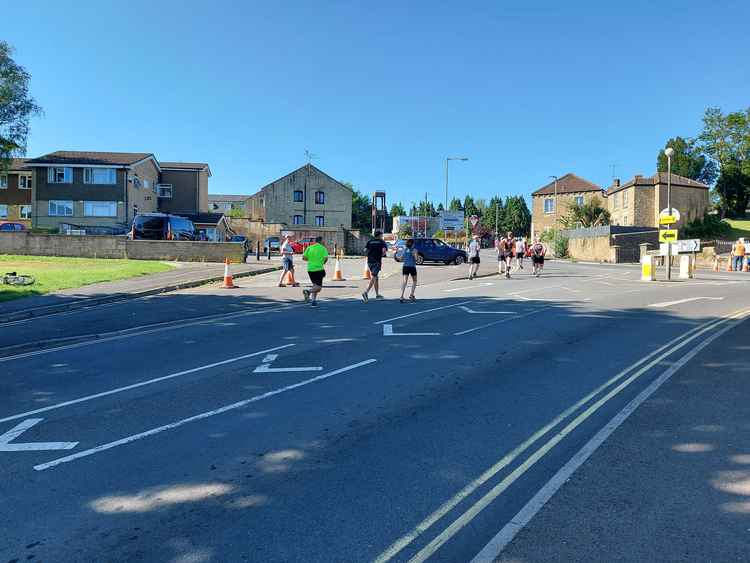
[(470, 207), (455, 205), (688, 161), (236, 213), (590, 214), (405, 231), (361, 210), (494, 207), (16, 107), (516, 216), (397, 209), (733, 190), (440, 208)]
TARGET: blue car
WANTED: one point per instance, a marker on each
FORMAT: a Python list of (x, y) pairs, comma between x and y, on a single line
[(432, 250)]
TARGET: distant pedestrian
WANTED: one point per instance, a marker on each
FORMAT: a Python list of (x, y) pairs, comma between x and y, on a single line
[(376, 249), (473, 254), (316, 257), (537, 256), (520, 252), (287, 260), (499, 249), (409, 258), (738, 254), (507, 248)]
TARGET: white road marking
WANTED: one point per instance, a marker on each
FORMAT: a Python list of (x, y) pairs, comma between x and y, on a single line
[(473, 312), (485, 284), (505, 320), (670, 303), (140, 384), (265, 367), (421, 312), (388, 331), (19, 429), (469, 489), (493, 549), (201, 416), (498, 489), (269, 358)]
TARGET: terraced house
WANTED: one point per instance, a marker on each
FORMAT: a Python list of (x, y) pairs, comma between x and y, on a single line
[(15, 192)]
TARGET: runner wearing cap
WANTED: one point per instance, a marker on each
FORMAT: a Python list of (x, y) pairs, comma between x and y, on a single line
[(473, 253)]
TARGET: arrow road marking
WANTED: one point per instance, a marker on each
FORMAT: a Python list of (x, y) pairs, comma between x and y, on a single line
[(19, 429), (669, 303), (388, 331), (265, 367), (473, 312)]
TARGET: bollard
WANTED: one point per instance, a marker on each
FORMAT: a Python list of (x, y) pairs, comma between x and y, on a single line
[(648, 270), (268, 250), (686, 267), (257, 251)]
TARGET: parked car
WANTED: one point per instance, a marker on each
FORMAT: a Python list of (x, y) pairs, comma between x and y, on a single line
[(432, 250), (12, 227), (162, 226), (273, 242)]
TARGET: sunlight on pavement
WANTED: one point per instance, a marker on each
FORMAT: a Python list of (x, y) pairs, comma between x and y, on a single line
[(155, 498)]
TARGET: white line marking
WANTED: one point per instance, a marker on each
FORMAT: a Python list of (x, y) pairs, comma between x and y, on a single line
[(473, 312), (269, 358), (469, 489), (505, 320), (140, 384), (201, 416), (498, 489), (670, 303), (485, 284), (388, 331), (421, 312), (19, 429), (530, 509)]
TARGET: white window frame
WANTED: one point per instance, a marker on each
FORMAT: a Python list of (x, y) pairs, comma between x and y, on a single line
[(295, 222), (90, 208), (322, 222), (67, 175), (163, 190), (89, 176), (551, 201), (579, 200), (3, 210), (3, 181), (57, 203), (23, 215), (27, 181)]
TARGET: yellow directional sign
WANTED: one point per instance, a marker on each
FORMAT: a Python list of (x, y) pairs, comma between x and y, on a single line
[(667, 220), (668, 235)]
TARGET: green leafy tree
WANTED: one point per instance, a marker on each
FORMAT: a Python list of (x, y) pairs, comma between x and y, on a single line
[(455, 205), (236, 213), (361, 210), (440, 208), (405, 230), (688, 161), (733, 190), (16, 107), (516, 216), (710, 227), (588, 214), (470, 207), (494, 207), (397, 209)]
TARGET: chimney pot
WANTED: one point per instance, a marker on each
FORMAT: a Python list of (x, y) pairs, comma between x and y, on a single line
[(617, 182)]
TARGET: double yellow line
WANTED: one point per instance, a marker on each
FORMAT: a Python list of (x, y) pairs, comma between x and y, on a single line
[(624, 378)]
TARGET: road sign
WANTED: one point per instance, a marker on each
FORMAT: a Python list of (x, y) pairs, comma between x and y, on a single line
[(474, 220), (668, 235), (667, 219), (669, 213), (678, 246)]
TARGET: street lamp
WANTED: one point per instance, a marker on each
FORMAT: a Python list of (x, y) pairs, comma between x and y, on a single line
[(446, 175), (669, 152), (555, 200)]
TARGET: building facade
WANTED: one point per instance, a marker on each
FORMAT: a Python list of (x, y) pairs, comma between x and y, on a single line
[(15, 192), (551, 202), (639, 201), (307, 196), (224, 203), (183, 187)]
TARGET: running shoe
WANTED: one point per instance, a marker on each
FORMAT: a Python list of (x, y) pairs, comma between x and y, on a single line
[(306, 293), (378, 296), (365, 297)]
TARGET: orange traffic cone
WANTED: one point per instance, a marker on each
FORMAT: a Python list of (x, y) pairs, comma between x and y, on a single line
[(366, 275), (729, 264), (338, 275), (228, 281), (745, 267), (289, 279)]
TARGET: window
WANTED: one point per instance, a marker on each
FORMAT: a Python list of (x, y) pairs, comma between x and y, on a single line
[(579, 200), (624, 199), (100, 208), (299, 195), (3, 211), (614, 201), (147, 184), (549, 205), (320, 221), (24, 182), (25, 212), (59, 175), (165, 190), (624, 219), (298, 220), (320, 198), (60, 208), (99, 176), (3, 181), (292, 178)]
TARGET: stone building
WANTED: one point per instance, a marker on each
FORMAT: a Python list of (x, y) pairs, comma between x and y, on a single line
[(15, 193), (307, 196), (547, 208), (639, 201)]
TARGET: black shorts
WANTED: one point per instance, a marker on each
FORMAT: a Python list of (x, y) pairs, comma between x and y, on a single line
[(317, 277), (374, 268), (474, 259), (520, 255), (501, 257), (537, 259), (409, 271)]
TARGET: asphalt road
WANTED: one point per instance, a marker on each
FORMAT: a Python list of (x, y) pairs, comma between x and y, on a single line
[(242, 425)]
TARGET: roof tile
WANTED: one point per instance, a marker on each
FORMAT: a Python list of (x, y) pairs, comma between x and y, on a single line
[(568, 184)]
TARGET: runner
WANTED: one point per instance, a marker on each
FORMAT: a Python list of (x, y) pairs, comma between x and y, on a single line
[(537, 256), (316, 257), (287, 261), (500, 249), (376, 249), (508, 248), (409, 256), (473, 253), (520, 252)]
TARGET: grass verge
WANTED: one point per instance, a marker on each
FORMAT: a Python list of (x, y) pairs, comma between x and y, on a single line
[(740, 228), (54, 273)]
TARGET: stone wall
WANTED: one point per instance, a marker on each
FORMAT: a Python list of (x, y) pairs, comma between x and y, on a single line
[(593, 249), (184, 251)]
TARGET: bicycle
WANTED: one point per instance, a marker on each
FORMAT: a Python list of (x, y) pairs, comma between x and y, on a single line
[(12, 278)]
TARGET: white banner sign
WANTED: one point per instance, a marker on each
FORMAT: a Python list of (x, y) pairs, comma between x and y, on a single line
[(689, 245)]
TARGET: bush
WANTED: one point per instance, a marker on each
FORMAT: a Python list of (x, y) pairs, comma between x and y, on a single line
[(560, 246), (710, 227), (405, 231), (439, 234)]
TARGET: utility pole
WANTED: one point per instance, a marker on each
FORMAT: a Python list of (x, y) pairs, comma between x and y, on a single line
[(669, 152), (555, 202)]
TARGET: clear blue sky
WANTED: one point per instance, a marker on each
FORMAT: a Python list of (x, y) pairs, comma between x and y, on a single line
[(382, 91)]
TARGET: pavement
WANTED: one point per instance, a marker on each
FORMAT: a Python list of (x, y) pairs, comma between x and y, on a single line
[(242, 425)]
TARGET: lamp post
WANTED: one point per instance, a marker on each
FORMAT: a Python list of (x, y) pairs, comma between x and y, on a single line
[(555, 201), (669, 152), (446, 175)]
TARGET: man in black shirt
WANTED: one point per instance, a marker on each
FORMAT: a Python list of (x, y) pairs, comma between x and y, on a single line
[(376, 249)]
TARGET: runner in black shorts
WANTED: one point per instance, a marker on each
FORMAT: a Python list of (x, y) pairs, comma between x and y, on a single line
[(409, 257), (537, 256), (376, 249)]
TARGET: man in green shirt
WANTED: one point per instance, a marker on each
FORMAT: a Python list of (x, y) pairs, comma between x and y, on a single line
[(316, 257)]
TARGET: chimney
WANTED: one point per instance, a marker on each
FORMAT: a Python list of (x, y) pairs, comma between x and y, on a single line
[(616, 182), (638, 177)]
